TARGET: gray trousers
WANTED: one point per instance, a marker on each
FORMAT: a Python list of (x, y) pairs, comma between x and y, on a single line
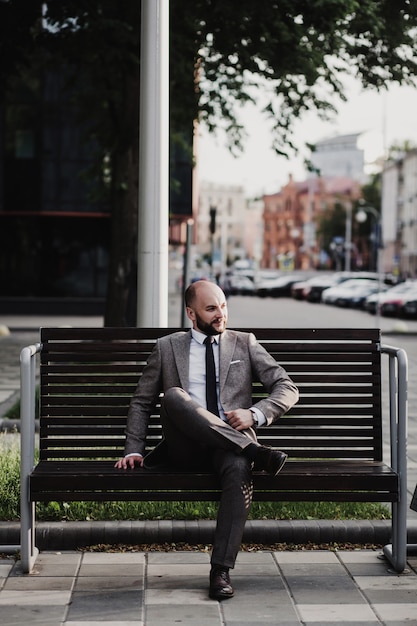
[(197, 439)]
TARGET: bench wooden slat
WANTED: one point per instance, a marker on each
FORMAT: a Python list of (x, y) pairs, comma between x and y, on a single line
[(70, 369), (344, 370), (182, 495), (321, 409), (106, 400), (114, 452), (102, 386), (359, 386), (116, 369)]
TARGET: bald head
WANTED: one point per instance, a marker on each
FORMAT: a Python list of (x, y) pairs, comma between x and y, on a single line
[(201, 288), (206, 307)]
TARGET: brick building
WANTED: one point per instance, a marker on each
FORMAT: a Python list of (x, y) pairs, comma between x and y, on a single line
[(290, 219)]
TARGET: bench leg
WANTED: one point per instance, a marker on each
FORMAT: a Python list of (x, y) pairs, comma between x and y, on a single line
[(28, 550), (396, 552)]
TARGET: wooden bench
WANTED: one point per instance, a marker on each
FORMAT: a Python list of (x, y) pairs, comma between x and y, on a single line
[(334, 436)]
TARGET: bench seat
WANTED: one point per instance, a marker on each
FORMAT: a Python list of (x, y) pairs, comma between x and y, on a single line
[(337, 481)]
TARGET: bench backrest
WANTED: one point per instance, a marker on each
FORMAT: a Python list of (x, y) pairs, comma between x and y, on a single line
[(88, 375)]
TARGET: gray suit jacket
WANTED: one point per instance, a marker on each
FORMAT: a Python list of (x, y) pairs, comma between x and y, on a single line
[(242, 360)]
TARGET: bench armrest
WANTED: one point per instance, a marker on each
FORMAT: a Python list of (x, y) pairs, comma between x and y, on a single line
[(27, 409), (398, 405)]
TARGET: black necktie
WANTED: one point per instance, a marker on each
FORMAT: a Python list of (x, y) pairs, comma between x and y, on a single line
[(211, 393)]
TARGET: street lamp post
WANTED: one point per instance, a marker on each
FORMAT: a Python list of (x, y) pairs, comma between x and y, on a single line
[(361, 217)]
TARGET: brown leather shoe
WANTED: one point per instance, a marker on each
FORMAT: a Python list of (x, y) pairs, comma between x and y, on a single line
[(220, 587), (269, 460)]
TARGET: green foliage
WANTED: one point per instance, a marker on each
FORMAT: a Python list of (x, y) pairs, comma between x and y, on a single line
[(13, 413), (101, 511), (9, 479), (398, 149), (319, 510), (371, 192), (331, 223), (290, 56)]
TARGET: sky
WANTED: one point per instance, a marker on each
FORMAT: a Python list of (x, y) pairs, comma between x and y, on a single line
[(382, 118)]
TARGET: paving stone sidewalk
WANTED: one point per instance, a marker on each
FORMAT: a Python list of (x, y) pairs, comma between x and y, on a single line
[(155, 589)]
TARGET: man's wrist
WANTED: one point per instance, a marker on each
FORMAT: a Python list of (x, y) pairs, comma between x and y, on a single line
[(259, 418)]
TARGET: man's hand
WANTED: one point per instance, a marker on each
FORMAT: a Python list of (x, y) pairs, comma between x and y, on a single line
[(240, 419), (129, 461)]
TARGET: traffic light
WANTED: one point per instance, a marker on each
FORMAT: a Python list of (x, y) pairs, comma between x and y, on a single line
[(212, 220)]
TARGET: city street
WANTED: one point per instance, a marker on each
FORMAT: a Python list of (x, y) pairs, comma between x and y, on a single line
[(289, 313)]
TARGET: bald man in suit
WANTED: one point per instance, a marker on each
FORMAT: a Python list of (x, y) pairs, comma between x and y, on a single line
[(222, 439)]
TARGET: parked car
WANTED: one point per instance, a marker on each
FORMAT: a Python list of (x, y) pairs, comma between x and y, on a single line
[(409, 306), (301, 288), (355, 297), (314, 287), (298, 288), (351, 292), (277, 287), (376, 299), (393, 305), (241, 285), (318, 284)]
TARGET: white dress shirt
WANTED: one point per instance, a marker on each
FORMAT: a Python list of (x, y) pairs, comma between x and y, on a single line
[(197, 369), (197, 373)]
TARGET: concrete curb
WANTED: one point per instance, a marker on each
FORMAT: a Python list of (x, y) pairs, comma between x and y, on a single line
[(73, 535), (13, 426)]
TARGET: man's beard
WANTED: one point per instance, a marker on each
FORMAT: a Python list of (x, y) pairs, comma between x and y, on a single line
[(208, 329)]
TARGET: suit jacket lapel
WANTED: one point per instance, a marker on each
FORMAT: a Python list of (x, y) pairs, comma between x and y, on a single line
[(181, 350), (227, 348)]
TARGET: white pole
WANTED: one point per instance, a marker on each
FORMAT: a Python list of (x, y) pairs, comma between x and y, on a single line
[(153, 217), (348, 236)]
